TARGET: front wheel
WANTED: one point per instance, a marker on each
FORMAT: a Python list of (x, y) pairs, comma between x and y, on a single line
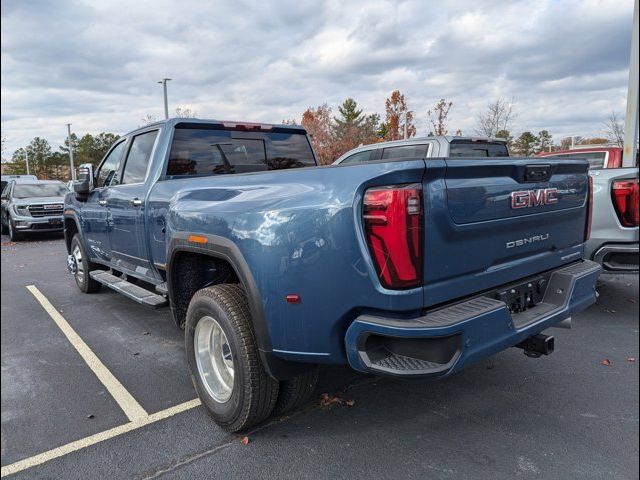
[(14, 235), (80, 267), (223, 358)]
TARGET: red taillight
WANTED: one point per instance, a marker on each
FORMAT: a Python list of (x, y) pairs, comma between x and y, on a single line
[(625, 201), (587, 228), (393, 221)]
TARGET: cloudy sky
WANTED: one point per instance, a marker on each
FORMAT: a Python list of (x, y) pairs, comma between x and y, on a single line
[(95, 64)]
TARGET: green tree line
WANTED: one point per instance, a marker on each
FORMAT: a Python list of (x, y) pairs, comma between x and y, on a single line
[(48, 164)]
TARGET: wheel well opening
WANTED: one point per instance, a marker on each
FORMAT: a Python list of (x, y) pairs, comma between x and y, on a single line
[(70, 229), (192, 271)]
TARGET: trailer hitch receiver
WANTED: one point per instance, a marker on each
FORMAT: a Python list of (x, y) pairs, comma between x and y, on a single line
[(537, 345)]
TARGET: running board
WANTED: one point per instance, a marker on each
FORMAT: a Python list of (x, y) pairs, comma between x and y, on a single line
[(134, 292)]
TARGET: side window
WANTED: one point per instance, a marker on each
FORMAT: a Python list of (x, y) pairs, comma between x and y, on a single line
[(408, 151), (357, 158), (108, 170), (595, 159), (135, 167)]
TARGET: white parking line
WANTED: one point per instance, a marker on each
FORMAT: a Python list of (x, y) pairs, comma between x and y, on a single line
[(137, 415), (132, 409), (97, 438)]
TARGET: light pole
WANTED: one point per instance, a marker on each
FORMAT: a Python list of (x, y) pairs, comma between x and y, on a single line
[(73, 169), (631, 117), (166, 103)]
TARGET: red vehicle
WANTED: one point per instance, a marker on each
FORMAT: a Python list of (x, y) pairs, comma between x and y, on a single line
[(598, 156)]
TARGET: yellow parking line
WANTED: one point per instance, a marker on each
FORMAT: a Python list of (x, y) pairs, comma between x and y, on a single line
[(97, 438), (132, 409)]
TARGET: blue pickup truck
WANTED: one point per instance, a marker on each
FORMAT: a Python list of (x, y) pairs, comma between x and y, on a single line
[(412, 267)]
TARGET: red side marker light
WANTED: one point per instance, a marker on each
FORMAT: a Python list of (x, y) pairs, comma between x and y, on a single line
[(293, 298)]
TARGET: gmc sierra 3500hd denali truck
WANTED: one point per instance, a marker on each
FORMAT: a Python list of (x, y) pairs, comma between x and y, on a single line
[(408, 266)]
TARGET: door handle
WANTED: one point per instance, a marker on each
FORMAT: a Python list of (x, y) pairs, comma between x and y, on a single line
[(102, 203), (136, 202)]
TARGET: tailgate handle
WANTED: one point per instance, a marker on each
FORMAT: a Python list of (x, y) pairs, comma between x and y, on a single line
[(537, 173)]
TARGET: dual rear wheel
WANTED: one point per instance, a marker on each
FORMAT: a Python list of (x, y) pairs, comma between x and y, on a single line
[(225, 364)]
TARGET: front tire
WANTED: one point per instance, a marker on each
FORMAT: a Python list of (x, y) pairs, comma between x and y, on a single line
[(83, 266), (14, 235), (224, 361)]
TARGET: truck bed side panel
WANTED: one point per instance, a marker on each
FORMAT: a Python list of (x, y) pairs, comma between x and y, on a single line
[(299, 233)]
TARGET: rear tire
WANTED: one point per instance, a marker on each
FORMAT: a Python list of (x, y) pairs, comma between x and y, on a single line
[(84, 266), (295, 392), (224, 361), (5, 228)]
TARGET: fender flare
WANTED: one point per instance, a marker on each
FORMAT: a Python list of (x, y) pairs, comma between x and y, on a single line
[(224, 249), (72, 215)]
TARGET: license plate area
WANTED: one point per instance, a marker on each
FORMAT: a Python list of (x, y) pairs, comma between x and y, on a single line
[(522, 296), (55, 221)]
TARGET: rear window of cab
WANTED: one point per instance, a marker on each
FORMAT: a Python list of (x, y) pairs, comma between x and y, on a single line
[(202, 150)]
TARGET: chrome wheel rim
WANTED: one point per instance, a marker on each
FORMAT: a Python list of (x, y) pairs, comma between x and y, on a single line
[(214, 359), (77, 255)]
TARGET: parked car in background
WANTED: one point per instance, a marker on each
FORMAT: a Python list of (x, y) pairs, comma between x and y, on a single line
[(18, 178), (32, 207), (403, 266), (597, 156), (614, 232), (426, 147)]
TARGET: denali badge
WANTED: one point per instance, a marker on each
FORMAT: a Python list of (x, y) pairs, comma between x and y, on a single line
[(525, 241), (534, 198)]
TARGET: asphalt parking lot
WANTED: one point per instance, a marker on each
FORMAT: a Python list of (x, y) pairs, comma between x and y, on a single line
[(569, 415)]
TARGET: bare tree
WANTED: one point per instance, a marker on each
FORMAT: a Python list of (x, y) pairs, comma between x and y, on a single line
[(438, 117), (499, 116), (147, 119), (185, 112), (614, 130)]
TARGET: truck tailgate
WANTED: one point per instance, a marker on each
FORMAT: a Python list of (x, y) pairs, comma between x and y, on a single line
[(492, 221)]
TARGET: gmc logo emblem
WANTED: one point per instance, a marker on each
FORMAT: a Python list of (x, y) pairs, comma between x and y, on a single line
[(534, 198)]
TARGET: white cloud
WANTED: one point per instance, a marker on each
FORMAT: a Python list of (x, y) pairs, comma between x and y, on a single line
[(95, 64)]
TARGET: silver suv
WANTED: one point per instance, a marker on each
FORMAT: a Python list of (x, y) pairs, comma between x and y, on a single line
[(32, 207), (427, 147)]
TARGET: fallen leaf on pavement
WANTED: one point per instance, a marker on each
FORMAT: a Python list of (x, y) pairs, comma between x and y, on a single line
[(632, 300), (90, 416), (244, 441), (631, 359), (8, 244), (609, 310), (350, 403), (327, 400), (606, 362), (145, 333)]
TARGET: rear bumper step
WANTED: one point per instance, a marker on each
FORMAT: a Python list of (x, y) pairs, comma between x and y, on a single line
[(134, 292), (444, 341)]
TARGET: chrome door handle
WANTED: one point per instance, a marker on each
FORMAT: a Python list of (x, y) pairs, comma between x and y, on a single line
[(136, 202), (102, 203)]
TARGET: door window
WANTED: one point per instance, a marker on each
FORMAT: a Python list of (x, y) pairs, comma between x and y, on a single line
[(406, 151), (108, 170), (135, 168), (357, 157)]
